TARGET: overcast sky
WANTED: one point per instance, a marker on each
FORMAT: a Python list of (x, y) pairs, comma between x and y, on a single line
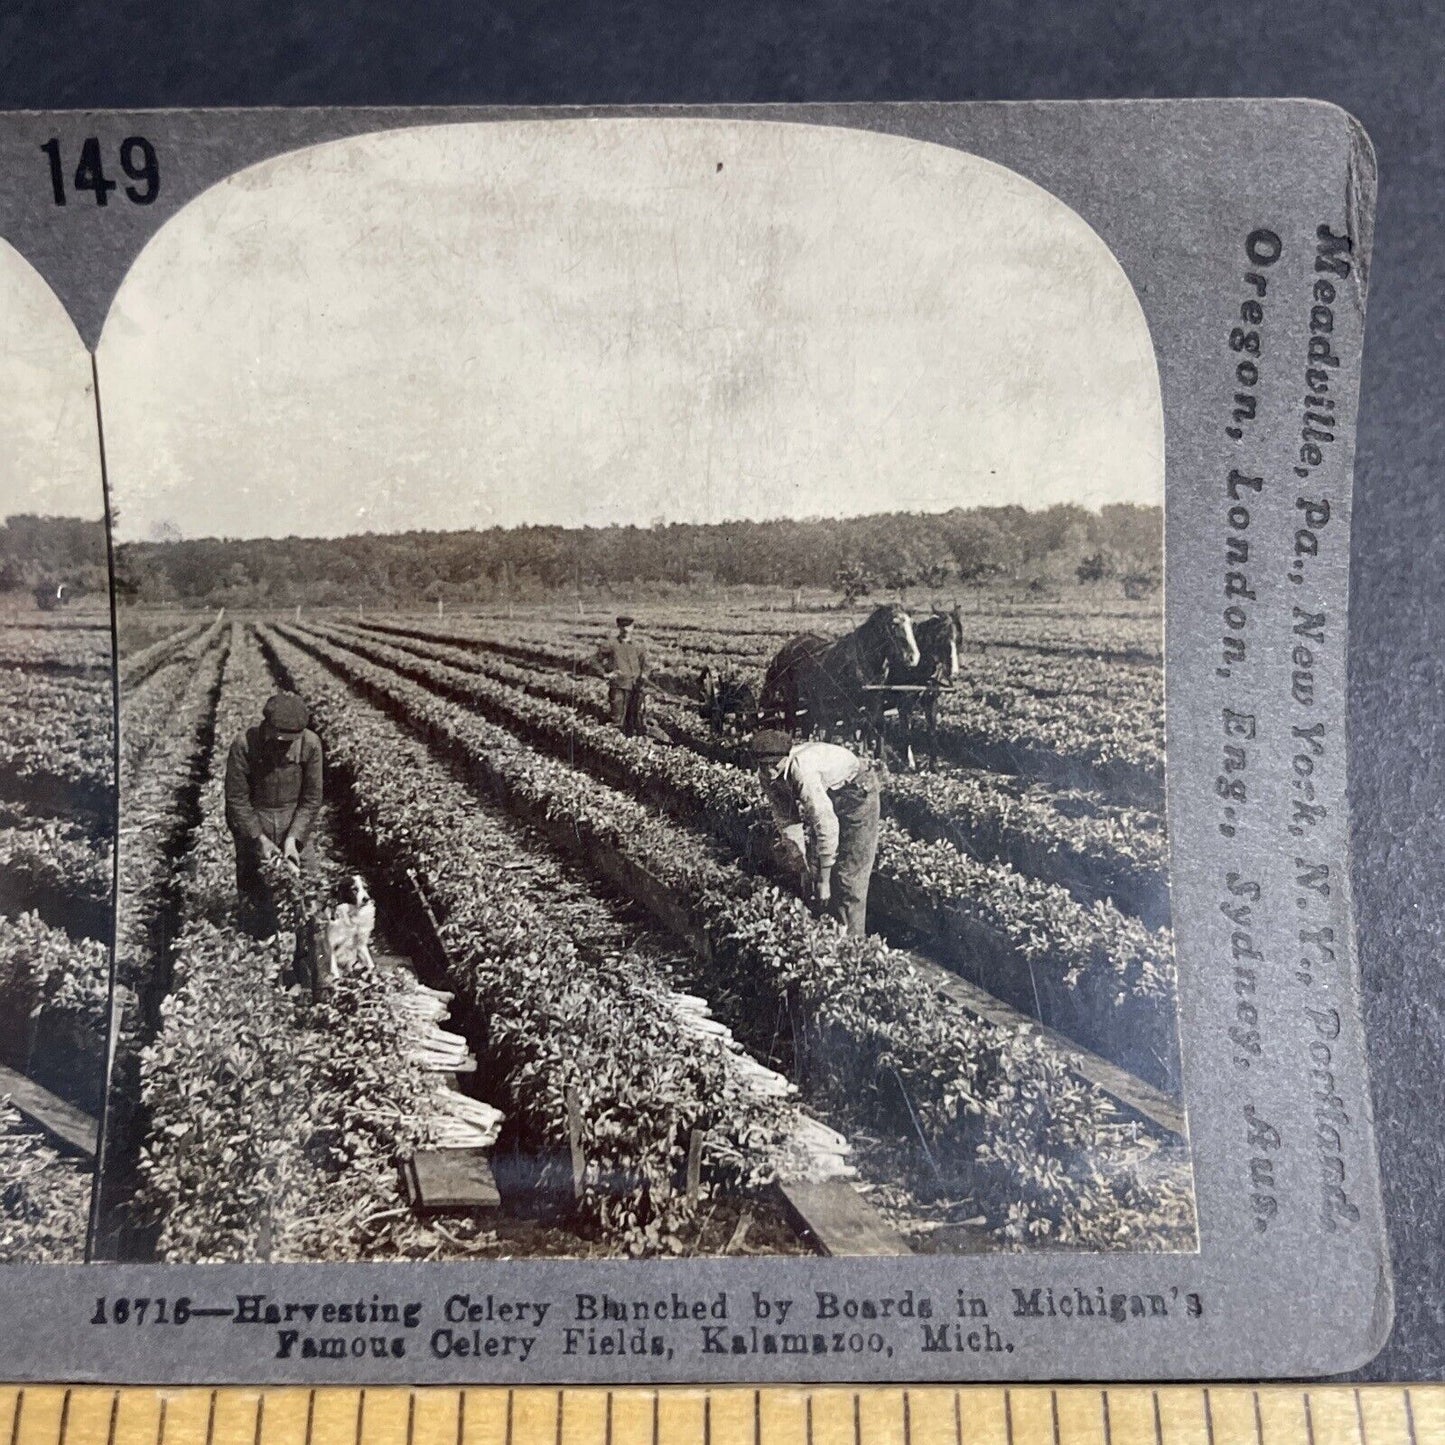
[(49, 459), (592, 322)]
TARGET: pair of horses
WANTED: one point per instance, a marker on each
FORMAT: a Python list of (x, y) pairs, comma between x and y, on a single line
[(820, 686)]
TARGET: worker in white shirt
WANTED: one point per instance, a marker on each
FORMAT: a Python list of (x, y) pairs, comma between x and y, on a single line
[(825, 802)]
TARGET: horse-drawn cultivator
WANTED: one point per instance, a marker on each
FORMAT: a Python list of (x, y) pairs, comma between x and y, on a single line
[(870, 688)]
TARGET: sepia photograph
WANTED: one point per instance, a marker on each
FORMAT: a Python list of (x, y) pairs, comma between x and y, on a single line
[(57, 798), (641, 723)]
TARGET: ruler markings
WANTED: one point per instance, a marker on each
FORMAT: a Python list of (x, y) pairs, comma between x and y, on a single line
[(187, 1414), (1384, 1414), (335, 1416), (878, 1417), (388, 1417), (631, 1417), (782, 1416), (733, 1416), (1332, 1417), (989, 1416), (585, 1413), (137, 1418), (88, 1414), (785, 1415), (486, 1419), (533, 1418), (833, 1421), (681, 1415), (288, 1413), (1232, 1408), (1029, 1416), (1286, 1415), (39, 1423), (231, 1416), (434, 1416), (1131, 1416), (1180, 1417), (280, 1416), (1081, 1421), (1427, 1411)]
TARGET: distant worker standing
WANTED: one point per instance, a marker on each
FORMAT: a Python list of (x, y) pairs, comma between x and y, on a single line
[(825, 803), (624, 664), (273, 793)]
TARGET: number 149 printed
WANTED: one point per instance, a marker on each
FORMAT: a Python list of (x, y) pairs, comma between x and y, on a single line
[(137, 159)]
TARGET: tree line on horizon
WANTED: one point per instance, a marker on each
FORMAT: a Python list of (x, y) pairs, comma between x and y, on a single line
[(886, 553), (42, 552)]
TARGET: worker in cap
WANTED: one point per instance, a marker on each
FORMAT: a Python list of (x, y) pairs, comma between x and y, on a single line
[(623, 663), (825, 804), (273, 794)]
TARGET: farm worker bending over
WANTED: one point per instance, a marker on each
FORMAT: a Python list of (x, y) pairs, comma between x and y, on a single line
[(273, 793), (825, 803), (624, 664)]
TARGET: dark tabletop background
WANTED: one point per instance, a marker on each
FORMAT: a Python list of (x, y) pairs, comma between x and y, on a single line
[(1384, 63)]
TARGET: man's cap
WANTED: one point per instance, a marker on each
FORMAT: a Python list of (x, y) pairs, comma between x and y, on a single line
[(625, 621), (286, 712), (771, 744)]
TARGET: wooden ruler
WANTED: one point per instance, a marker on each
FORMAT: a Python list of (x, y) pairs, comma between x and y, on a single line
[(695, 1415)]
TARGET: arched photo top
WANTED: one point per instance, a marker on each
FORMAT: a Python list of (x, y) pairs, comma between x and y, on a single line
[(50, 462), (584, 321)]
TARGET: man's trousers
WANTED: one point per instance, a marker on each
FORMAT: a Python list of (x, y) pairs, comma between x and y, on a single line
[(856, 805), (624, 703)]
